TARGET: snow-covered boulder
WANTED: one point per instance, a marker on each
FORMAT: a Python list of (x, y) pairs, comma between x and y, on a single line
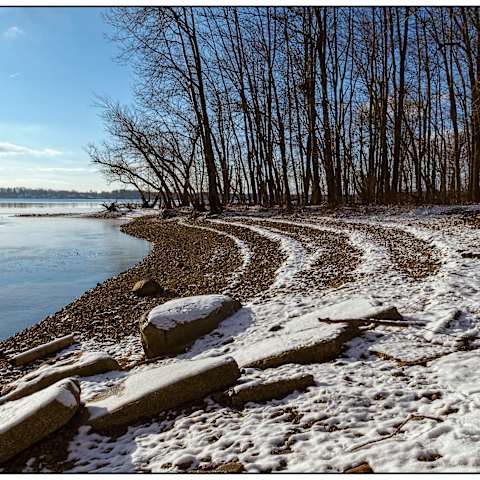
[(264, 390), (159, 389), (26, 421), (303, 340), (148, 287), (359, 309), (85, 364), (172, 326)]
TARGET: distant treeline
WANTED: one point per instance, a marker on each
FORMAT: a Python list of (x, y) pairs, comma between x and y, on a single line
[(22, 192)]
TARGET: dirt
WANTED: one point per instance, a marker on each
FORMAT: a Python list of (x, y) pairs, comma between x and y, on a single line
[(333, 267), (411, 255), (266, 260)]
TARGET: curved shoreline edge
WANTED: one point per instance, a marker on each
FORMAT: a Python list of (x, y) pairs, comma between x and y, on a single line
[(180, 259)]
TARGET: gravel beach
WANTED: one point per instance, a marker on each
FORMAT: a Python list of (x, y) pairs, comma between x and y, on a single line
[(184, 260)]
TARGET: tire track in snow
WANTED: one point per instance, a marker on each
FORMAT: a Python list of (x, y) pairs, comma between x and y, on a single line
[(411, 255), (295, 256), (266, 258), (332, 260)]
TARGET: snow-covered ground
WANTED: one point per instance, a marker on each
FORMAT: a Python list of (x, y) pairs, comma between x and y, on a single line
[(401, 399)]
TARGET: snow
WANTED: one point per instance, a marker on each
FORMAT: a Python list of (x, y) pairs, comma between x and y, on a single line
[(351, 309), (17, 411), (61, 368), (183, 310), (295, 253), (459, 372), (363, 408), (291, 339), (139, 385)]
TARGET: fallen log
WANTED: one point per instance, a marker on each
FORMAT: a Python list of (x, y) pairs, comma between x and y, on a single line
[(42, 350)]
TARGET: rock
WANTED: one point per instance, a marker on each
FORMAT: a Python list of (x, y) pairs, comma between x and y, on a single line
[(362, 468), (470, 255), (172, 326), (26, 421), (185, 462), (275, 328), (86, 364), (42, 350), (387, 313), (230, 467), (314, 342), (401, 348), (166, 213), (359, 309), (254, 391), (152, 391), (147, 288)]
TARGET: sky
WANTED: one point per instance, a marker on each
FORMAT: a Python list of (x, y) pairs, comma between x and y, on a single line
[(53, 63)]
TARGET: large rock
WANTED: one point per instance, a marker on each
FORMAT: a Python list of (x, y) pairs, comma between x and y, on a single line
[(159, 389), (26, 421), (262, 391), (147, 288), (359, 309), (304, 340), (85, 364), (171, 327), (42, 350)]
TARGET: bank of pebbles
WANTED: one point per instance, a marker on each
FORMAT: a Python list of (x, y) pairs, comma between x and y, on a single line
[(184, 260), (336, 259)]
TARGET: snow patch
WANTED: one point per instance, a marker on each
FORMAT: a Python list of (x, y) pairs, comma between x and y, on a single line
[(184, 310)]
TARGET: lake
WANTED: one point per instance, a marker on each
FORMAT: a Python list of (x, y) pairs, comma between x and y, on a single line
[(47, 262)]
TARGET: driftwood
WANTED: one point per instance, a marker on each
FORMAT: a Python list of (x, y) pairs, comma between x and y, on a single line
[(368, 321), (42, 350), (110, 207), (115, 206), (397, 430)]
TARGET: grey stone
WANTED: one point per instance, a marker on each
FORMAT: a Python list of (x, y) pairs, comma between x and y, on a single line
[(26, 421), (171, 327), (42, 350), (313, 345), (147, 288), (156, 390), (262, 391), (85, 364)]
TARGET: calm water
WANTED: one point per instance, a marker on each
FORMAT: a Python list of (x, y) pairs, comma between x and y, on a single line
[(46, 263)]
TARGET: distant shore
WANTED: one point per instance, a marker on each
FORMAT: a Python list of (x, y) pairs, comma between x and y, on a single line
[(74, 215)]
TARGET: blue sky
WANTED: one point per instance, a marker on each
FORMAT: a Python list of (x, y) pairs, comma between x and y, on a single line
[(54, 60)]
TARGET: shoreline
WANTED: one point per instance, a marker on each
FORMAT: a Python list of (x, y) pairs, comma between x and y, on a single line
[(180, 260), (109, 311)]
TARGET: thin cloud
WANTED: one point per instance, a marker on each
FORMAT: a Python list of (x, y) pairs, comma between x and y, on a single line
[(13, 32), (14, 75), (10, 149), (61, 169)]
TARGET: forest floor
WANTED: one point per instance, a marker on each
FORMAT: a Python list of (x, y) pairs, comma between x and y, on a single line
[(399, 399)]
